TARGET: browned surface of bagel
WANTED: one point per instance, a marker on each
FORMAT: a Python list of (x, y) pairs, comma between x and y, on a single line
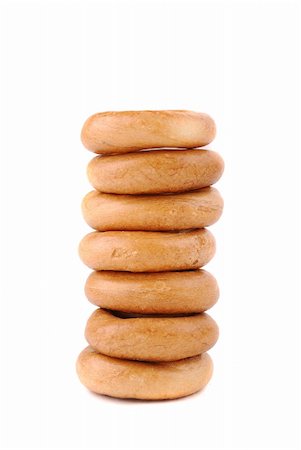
[(153, 293), (147, 251), (127, 131), (196, 209), (150, 338), (143, 380), (155, 171)]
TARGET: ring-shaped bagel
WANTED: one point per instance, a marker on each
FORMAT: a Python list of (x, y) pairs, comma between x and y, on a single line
[(156, 338), (183, 292), (127, 131), (111, 212), (155, 172), (147, 251), (143, 380)]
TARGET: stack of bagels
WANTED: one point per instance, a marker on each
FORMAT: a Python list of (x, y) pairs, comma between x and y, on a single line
[(151, 205)]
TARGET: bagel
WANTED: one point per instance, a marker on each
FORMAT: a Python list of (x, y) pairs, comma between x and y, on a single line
[(128, 131), (155, 171), (147, 251), (153, 293), (154, 338), (143, 380), (196, 209)]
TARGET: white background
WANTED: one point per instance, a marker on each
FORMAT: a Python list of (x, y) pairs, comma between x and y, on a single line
[(62, 61)]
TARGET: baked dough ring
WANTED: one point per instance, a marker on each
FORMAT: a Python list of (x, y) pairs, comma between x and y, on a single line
[(155, 171), (150, 338), (146, 381), (153, 293), (147, 251), (127, 131), (196, 209)]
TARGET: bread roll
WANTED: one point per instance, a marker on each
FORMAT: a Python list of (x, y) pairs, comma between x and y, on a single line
[(128, 131), (143, 380), (147, 251), (150, 338), (155, 172), (196, 209), (153, 293)]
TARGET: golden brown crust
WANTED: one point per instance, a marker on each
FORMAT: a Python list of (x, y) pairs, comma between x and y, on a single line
[(150, 338), (196, 209), (153, 293), (147, 251), (155, 171), (127, 131), (140, 380)]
